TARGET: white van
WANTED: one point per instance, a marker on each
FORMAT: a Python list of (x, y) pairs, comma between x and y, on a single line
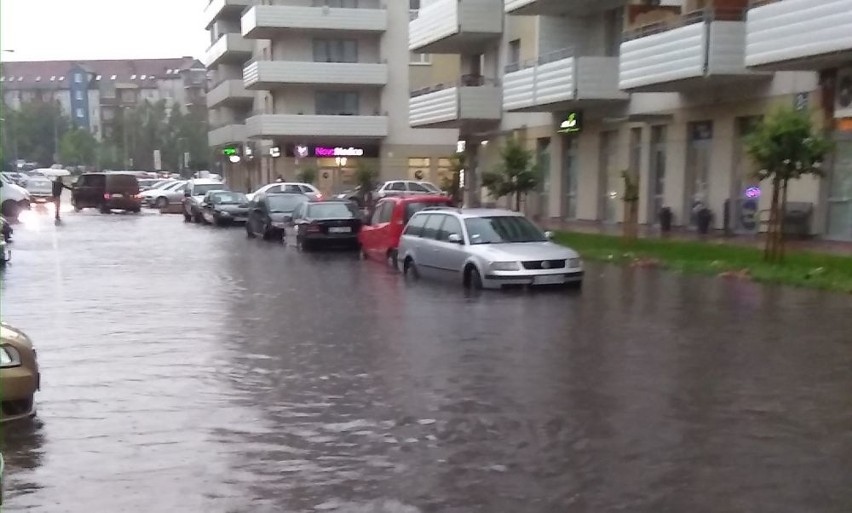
[(13, 198)]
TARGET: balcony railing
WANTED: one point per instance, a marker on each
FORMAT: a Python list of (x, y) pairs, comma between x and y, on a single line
[(469, 80), (708, 14), (556, 55)]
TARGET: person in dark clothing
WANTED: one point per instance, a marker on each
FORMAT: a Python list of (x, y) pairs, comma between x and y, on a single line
[(58, 185)]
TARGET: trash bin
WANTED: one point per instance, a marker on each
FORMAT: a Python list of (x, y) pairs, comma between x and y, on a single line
[(666, 217), (797, 219), (704, 218)]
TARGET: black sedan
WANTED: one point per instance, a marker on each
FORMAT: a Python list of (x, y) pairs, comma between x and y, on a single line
[(270, 213), (222, 208), (335, 222)]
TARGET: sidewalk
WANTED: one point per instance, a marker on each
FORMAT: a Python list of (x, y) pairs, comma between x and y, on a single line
[(716, 237)]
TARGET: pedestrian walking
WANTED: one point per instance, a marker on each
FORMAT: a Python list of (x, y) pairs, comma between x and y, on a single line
[(58, 185)]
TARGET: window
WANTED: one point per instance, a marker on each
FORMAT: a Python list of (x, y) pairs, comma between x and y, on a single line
[(337, 103), (351, 4), (335, 50), (451, 225), (80, 113), (416, 187), (514, 56), (413, 5), (418, 168), (502, 229), (413, 208), (396, 186), (78, 78), (421, 59), (432, 226), (333, 211), (415, 227), (386, 212), (78, 95), (292, 189)]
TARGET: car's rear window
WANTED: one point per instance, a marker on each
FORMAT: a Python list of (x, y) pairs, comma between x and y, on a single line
[(414, 207), (332, 211), (122, 183), (91, 181)]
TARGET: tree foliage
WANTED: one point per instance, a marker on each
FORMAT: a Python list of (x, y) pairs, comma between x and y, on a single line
[(452, 184), (366, 177), (78, 147), (32, 131), (516, 175), (307, 174), (785, 146)]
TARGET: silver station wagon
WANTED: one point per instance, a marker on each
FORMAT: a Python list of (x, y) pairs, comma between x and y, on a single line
[(485, 248)]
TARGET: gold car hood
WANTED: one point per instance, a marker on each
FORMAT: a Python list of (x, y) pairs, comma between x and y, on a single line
[(13, 335)]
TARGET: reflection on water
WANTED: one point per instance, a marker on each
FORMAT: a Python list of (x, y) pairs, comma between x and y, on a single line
[(236, 375)]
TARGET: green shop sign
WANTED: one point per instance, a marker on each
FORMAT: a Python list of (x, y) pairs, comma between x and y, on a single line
[(572, 123)]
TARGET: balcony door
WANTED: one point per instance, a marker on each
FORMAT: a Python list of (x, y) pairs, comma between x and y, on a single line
[(543, 163), (657, 177), (840, 192), (608, 178), (699, 155), (570, 168)]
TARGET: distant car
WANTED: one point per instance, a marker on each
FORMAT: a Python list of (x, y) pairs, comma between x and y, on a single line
[(40, 188), (323, 223), (221, 208), (270, 213), (380, 237), (107, 192), (397, 187), (19, 374), (292, 187), (13, 199), (194, 194), (151, 183), (161, 197), (485, 248)]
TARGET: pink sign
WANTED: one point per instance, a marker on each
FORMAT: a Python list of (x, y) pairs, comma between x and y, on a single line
[(320, 151)]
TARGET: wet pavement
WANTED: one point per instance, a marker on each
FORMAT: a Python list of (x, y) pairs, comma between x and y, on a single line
[(188, 369)]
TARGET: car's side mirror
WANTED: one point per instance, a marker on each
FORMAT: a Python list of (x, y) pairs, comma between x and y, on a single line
[(454, 238), (549, 235)]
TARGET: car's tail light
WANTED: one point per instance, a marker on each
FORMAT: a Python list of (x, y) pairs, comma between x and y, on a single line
[(106, 196), (312, 228)]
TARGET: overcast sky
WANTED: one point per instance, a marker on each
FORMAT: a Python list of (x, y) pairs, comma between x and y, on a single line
[(101, 29)]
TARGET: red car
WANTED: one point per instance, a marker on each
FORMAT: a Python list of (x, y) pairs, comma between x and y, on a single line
[(380, 237)]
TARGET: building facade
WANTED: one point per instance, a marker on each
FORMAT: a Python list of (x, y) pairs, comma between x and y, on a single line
[(92, 92), (666, 89), (320, 84)]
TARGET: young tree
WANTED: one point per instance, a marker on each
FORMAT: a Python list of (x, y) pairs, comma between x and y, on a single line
[(452, 184), (37, 128), (78, 147), (631, 205), (307, 174), (516, 175), (365, 176), (785, 146)]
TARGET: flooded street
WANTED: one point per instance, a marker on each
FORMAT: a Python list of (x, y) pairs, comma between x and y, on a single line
[(186, 368)]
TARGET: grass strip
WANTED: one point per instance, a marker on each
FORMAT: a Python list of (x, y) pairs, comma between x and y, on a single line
[(712, 258)]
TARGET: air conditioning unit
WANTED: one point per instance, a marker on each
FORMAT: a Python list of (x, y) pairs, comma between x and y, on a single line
[(843, 94)]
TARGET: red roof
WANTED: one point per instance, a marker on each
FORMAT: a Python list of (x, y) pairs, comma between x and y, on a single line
[(38, 73)]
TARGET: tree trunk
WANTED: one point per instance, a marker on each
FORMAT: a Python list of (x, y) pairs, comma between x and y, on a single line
[(518, 201), (771, 248), (782, 232)]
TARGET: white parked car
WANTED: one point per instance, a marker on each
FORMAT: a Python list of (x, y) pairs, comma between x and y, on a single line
[(13, 198), (290, 187), (40, 187), (485, 248)]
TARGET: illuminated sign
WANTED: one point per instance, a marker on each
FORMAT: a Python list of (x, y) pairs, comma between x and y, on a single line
[(275, 152), (752, 192), (572, 124), (302, 151), (320, 151), (229, 151)]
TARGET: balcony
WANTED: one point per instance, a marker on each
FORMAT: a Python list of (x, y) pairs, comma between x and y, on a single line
[(704, 47), (799, 34), (229, 49), (306, 127), (471, 104), (558, 7), (561, 81), (229, 92), (455, 26), (268, 75), (268, 21), (227, 134), (221, 8)]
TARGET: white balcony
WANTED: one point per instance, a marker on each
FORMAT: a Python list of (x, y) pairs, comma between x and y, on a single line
[(460, 106), (227, 134), (700, 48), (229, 92), (268, 21), (306, 127), (268, 75), (799, 34), (561, 81), (455, 26), (558, 7), (221, 8), (229, 49)]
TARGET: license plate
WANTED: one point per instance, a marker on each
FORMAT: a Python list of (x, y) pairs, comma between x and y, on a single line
[(340, 229), (549, 280), (117, 195)]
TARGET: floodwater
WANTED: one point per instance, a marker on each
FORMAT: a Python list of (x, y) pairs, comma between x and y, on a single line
[(186, 368)]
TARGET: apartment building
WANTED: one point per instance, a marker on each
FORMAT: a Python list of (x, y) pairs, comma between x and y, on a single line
[(90, 92), (666, 89), (317, 83)]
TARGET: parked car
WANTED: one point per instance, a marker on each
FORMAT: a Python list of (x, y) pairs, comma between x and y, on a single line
[(380, 236), (107, 192), (326, 222), (224, 207), (291, 187), (270, 213), (6, 229), (40, 188), (485, 248), (161, 197), (151, 183), (397, 187), (13, 199), (19, 374), (194, 194)]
